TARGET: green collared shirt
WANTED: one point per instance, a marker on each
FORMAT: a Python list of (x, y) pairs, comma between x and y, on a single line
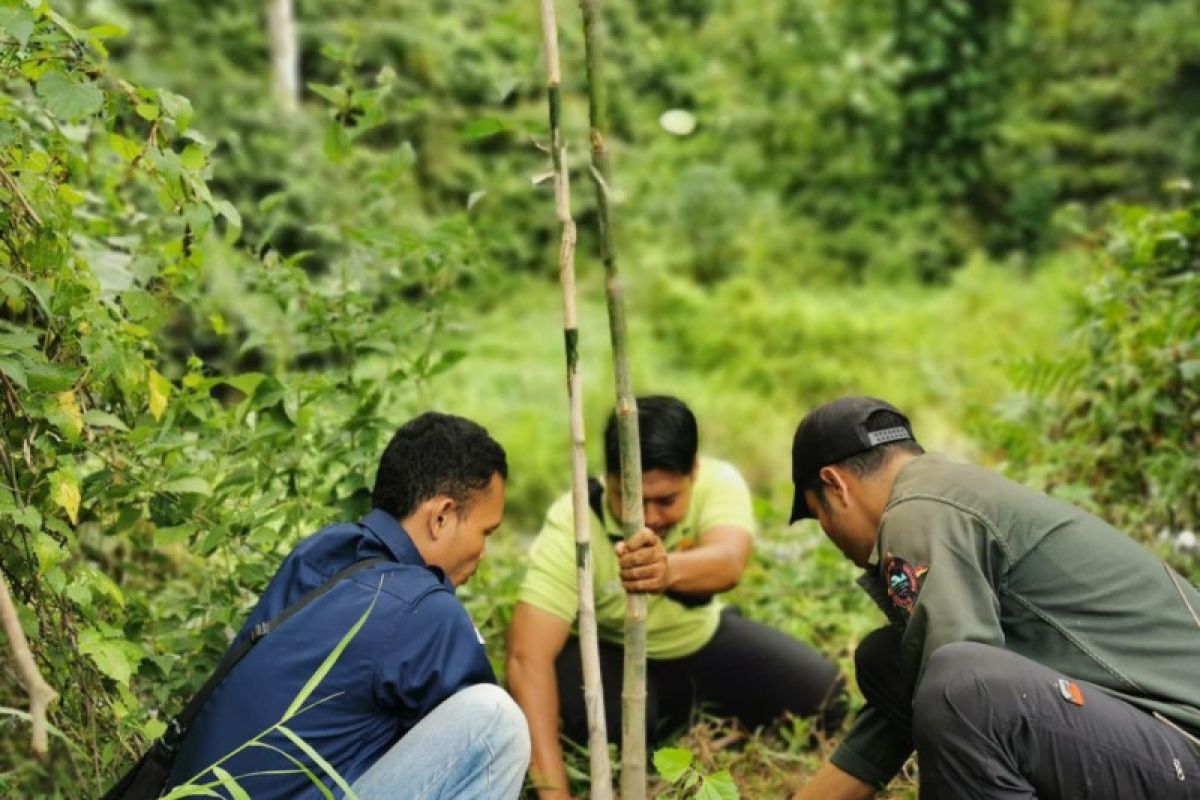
[(964, 554)]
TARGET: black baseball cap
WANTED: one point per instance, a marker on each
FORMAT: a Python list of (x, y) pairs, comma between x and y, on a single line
[(835, 431)]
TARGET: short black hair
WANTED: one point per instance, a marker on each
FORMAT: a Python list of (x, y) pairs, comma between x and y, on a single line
[(436, 454), (667, 433), (868, 462)]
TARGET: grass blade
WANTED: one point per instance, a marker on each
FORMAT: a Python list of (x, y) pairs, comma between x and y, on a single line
[(311, 752)]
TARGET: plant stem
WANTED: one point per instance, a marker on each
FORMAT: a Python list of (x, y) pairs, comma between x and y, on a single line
[(593, 691), (633, 688)]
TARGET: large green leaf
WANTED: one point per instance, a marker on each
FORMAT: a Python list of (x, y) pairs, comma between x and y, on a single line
[(68, 98), (718, 786), (18, 22), (672, 762)]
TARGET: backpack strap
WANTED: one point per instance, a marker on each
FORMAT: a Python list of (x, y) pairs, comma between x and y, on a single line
[(596, 502), (177, 728)]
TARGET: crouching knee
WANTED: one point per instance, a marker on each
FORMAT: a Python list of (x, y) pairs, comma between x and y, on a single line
[(966, 686), (505, 729)]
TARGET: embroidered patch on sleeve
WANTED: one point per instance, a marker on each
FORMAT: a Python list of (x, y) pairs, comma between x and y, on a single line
[(903, 582)]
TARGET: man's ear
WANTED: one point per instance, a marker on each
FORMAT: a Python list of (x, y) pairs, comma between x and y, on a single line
[(834, 484), (441, 508)]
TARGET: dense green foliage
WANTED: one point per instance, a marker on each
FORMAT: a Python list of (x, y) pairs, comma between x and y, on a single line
[(1113, 420), (213, 313)]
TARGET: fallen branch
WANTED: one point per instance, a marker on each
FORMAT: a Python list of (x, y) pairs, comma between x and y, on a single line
[(41, 695)]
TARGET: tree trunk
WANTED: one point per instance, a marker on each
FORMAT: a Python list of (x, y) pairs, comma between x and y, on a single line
[(593, 692), (633, 690), (285, 55)]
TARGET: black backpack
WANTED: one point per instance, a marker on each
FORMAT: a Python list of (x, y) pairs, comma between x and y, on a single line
[(148, 777)]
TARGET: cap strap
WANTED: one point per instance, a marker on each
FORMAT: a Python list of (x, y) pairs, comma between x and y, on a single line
[(886, 435)]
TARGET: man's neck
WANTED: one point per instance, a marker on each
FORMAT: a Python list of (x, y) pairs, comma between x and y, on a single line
[(878, 489)]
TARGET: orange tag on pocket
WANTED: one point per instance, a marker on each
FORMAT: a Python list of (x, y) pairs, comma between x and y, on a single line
[(1070, 691)]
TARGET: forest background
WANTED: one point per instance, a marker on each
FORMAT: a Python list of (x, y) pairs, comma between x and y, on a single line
[(215, 307)]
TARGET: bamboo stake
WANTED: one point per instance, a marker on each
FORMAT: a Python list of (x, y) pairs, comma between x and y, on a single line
[(41, 695), (633, 688), (593, 692), (285, 55)]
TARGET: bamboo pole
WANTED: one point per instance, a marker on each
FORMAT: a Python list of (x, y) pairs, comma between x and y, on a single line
[(285, 55), (593, 691), (633, 688)]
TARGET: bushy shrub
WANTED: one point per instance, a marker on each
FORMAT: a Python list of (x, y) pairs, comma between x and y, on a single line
[(1112, 420)]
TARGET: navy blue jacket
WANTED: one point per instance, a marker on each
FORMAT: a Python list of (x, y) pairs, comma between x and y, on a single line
[(417, 647)]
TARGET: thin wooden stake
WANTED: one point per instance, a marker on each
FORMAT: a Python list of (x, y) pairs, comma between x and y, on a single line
[(633, 689), (285, 54), (593, 691)]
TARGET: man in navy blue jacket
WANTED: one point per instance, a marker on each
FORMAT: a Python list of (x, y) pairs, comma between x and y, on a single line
[(410, 708)]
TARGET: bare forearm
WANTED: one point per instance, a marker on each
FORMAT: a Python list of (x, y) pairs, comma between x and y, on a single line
[(831, 783), (705, 569), (535, 688)]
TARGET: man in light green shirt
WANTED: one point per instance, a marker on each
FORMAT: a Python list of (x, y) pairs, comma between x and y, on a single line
[(697, 540)]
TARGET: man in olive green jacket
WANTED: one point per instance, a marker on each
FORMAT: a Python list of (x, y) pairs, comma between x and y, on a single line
[(1034, 651)]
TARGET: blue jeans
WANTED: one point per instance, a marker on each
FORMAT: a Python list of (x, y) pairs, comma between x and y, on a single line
[(474, 746)]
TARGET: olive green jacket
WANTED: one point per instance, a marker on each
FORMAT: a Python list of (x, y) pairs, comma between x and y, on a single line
[(965, 555)]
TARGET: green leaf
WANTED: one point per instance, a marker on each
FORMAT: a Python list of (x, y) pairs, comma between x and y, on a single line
[(484, 127), (18, 342), (66, 98), (16, 373), (672, 762), (189, 790), (334, 94), (178, 107), (227, 210), (718, 786), (102, 419), (109, 656), (193, 158), (64, 491), (48, 551), (175, 534), (235, 789), (36, 289), (317, 759), (147, 111), (106, 30), (17, 22), (192, 485), (160, 390), (335, 143), (50, 377), (127, 149)]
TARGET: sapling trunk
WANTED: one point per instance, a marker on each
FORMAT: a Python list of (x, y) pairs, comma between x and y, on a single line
[(593, 692), (633, 689)]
